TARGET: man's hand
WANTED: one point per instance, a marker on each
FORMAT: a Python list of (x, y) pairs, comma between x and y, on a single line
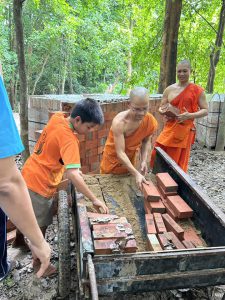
[(184, 116), (43, 253), (144, 168), (139, 180), (100, 206)]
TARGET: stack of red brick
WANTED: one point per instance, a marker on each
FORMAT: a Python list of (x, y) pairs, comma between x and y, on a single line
[(163, 208), (111, 234)]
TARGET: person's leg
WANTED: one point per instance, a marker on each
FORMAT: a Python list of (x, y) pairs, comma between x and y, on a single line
[(185, 153), (4, 266)]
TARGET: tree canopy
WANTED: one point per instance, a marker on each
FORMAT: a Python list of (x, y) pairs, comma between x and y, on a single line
[(88, 46)]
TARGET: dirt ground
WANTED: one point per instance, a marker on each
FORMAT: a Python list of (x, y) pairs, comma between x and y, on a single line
[(207, 168)]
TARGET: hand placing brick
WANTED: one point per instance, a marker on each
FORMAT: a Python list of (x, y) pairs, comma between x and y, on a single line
[(159, 224), (153, 243), (171, 225), (150, 192), (150, 224), (166, 182), (180, 207)]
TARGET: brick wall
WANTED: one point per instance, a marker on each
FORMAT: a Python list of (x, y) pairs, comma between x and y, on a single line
[(92, 144)]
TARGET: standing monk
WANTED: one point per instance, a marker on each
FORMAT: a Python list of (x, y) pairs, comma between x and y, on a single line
[(179, 132), (131, 130)]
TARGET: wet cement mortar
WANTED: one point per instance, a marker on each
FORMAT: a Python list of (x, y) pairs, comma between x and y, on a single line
[(206, 168)]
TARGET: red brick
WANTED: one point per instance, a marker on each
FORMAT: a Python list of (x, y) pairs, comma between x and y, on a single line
[(169, 241), (159, 224), (91, 144), (157, 206), (100, 149), (150, 224), (81, 137), (147, 207), (91, 152), (85, 169), (188, 244), (150, 192), (166, 182), (91, 135), (165, 194), (109, 115), (153, 243), (180, 207), (169, 211), (191, 235), (101, 141), (10, 226), (108, 232), (101, 216), (123, 227), (106, 246), (11, 236), (171, 225), (121, 220), (103, 133), (95, 166), (92, 159)]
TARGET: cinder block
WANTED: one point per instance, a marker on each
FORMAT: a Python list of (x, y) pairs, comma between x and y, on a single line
[(106, 246), (150, 192), (180, 207), (166, 182), (150, 224), (153, 243), (171, 225), (157, 207), (159, 224)]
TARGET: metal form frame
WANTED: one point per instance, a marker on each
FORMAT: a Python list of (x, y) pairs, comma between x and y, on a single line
[(147, 271)]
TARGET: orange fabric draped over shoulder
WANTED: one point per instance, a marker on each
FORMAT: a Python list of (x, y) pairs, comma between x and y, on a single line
[(110, 163), (176, 138)]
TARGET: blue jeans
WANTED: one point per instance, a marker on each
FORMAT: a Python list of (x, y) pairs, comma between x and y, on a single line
[(3, 245)]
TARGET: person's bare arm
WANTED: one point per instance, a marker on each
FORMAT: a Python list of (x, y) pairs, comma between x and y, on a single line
[(146, 144), (15, 202), (203, 111), (119, 141), (164, 101), (75, 176)]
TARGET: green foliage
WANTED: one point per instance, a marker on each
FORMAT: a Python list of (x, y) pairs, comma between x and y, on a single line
[(84, 46)]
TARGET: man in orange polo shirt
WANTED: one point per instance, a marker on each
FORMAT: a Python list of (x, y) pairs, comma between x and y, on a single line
[(131, 131), (56, 152)]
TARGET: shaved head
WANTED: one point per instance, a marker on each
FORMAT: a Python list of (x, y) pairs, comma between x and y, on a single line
[(185, 62), (139, 93)]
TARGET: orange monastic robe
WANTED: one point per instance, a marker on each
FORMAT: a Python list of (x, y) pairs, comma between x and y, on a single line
[(110, 163), (176, 138)]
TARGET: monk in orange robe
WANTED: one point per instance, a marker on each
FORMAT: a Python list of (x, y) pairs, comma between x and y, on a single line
[(179, 132), (131, 130)]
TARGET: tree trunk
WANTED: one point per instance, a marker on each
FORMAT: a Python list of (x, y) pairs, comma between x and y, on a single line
[(40, 74), (215, 54), (129, 61), (220, 143), (169, 47), (17, 13)]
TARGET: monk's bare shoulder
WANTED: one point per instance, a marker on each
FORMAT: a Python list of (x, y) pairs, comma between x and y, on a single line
[(118, 122)]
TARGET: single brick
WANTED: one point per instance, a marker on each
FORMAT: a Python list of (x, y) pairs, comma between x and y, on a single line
[(147, 207), (165, 194), (169, 211), (172, 237), (101, 216), (180, 207), (159, 224), (150, 192), (191, 235), (10, 226), (106, 246), (188, 244), (157, 207), (11, 236), (171, 225), (166, 182), (153, 243), (150, 224), (123, 227), (165, 243), (121, 220), (169, 241), (108, 232)]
